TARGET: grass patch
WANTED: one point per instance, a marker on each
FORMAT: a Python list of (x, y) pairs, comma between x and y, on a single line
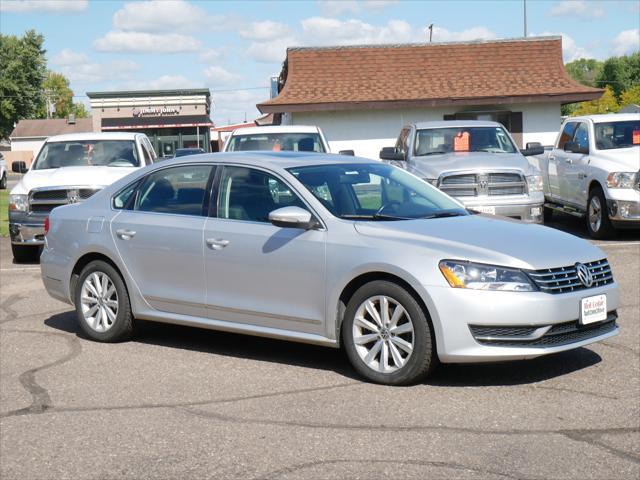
[(4, 213)]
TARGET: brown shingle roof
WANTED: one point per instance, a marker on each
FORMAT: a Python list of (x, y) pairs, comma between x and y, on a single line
[(504, 71), (49, 127)]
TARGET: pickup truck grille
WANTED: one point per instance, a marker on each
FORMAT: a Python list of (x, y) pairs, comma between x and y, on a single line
[(483, 184), (565, 279), (43, 201)]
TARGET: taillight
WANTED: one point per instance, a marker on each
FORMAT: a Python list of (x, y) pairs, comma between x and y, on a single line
[(46, 225)]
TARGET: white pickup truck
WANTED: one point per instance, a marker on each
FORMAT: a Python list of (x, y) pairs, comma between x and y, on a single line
[(68, 169), (593, 172)]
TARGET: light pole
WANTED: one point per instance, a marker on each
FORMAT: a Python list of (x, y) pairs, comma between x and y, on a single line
[(525, 17)]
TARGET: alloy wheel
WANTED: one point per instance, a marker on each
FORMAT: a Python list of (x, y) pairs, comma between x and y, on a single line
[(595, 213), (99, 300), (383, 334)]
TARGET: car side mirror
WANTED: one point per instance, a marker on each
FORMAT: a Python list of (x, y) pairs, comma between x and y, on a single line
[(19, 167), (390, 153), (533, 148), (574, 147), (292, 217), (351, 153)]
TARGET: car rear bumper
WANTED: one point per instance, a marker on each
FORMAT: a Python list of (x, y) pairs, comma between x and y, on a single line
[(488, 326)]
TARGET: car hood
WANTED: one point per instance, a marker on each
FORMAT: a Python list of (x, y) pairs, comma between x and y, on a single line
[(621, 159), (487, 239), (70, 176), (432, 166)]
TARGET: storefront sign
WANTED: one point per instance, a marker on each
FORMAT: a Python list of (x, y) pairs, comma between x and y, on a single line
[(155, 111)]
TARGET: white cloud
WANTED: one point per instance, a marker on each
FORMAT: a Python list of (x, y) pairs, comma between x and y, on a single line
[(444, 35), (263, 31), (60, 6), (69, 57), (139, 42), (231, 107), (627, 41), (577, 9), (210, 55), (570, 50), (160, 83), (330, 31), (219, 76), (335, 8), (163, 16), (272, 51), (90, 73)]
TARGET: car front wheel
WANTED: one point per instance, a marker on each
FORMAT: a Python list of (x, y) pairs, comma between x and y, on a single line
[(598, 223), (3, 181), (102, 303), (387, 335)]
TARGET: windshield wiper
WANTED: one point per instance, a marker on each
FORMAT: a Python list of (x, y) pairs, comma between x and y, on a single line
[(445, 214), (375, 216), (430, 153)]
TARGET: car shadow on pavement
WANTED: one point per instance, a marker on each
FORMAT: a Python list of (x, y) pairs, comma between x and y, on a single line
[(322, 358), (577, 226)]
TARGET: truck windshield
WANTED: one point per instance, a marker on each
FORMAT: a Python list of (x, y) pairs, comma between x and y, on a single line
[(611, 135), (277, 142), (84, 153), (434, 141), (375, 192)]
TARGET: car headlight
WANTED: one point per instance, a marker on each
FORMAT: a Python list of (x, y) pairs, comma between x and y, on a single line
[(621, 179), (534, 182), (484, 277), (18, 203), (432, 181)]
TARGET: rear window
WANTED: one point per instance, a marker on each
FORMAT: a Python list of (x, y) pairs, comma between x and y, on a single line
[(86, 153), (277, 142)]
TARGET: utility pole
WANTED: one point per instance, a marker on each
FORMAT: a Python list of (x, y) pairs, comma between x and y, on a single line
[(525, 17), (430, 32)]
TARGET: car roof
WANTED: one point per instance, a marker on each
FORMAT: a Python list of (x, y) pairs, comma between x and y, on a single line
[(70, 137), (608, 117), (276, 129), (455, 123), (276, 160)]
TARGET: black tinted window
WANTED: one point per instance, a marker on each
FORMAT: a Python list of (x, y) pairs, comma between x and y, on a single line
[(178, 190)]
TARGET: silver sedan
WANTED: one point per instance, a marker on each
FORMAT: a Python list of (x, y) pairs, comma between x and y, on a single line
[(327, 250)]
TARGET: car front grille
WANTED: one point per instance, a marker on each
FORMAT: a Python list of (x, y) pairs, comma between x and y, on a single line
[(483, 184), (544, 335), (565, 279), (43, 201)]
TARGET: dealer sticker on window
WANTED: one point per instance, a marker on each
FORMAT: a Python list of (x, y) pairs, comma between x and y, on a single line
[(593, 309)]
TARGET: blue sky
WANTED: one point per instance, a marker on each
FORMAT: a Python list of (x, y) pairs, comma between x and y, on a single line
[(234, 47)]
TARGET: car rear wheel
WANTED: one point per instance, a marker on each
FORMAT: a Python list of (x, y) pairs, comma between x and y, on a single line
[(25, 253), (598, 223), (102, 303), (387, 335)]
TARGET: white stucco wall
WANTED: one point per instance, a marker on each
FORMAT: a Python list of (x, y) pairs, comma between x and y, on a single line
[(29, 145), (367, 131)]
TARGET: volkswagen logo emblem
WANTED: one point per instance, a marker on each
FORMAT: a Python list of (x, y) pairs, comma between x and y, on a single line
[(584, 274), (73, 196)]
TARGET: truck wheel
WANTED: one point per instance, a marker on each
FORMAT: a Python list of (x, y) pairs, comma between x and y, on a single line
[(3, 181), (547, 214), (25, 253), (598, 223), (387, 335)]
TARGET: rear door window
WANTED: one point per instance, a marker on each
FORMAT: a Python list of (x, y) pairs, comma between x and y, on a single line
[(567, 134)]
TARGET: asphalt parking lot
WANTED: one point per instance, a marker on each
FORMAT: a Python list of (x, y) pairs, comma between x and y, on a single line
[(186, 403)]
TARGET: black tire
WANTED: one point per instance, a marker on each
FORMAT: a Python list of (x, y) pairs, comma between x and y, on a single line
[(122, 328), (3, 181), (423, 358), (604, 229), (547, 214), (25, 253)]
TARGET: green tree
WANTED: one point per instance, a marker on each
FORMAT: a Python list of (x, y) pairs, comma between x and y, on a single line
[(584, 70), (620, 73), (630, 96), (59, 94), (79, 110), (22, 72), (607, 103)]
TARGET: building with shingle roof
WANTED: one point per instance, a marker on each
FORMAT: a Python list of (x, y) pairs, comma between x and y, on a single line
[(361, 96)]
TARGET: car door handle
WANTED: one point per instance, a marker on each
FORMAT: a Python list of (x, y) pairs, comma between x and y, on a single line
[(217, 243), (568, 160), (125, 234)]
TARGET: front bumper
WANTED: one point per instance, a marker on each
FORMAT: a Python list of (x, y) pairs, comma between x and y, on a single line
[(460, 311), (27, 233), (624, 207), (527, 212)]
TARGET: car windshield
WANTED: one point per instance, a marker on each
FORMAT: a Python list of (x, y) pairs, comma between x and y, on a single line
[(374, 192), (277, 142), (611, 135), (434, 141), (83, 153)]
